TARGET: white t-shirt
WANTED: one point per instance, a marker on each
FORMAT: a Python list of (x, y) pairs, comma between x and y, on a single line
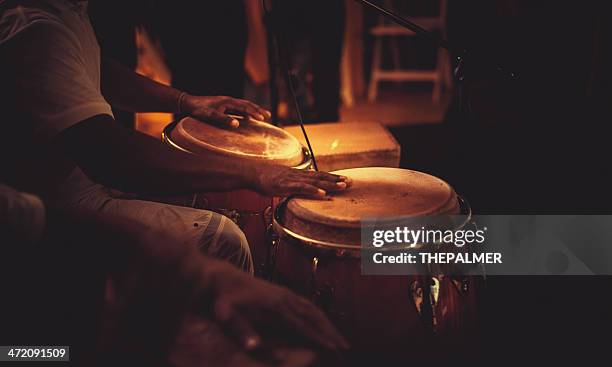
[(50, 72)]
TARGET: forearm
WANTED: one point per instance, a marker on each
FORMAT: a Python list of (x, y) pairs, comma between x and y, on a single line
[(133, 162), (129, 91)]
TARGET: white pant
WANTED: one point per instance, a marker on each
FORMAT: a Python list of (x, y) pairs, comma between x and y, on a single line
[(215, 234)]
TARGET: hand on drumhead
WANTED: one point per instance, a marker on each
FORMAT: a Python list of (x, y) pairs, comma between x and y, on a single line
[(284, 181), (249, 307), (214, 109)]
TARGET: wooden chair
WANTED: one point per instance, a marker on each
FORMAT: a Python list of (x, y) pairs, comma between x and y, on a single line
[(440, 76)]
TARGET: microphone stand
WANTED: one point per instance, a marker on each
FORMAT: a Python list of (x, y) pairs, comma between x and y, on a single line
[(462, 54), (270, 24), (278, 39)]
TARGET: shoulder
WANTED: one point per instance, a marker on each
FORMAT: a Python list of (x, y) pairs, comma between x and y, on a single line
[(21, 24), (40, 44)]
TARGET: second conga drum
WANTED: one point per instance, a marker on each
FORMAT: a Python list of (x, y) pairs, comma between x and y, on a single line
[(317, 253), (254, 141)]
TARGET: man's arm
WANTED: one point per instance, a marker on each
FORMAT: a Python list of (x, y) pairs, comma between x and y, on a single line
[(125, 89), (129, 91), (56, 96), (133, 162)]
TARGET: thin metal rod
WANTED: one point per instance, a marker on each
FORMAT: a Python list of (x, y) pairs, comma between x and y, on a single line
[(284, 63), (300, 120), (408, 24), (272, 64)]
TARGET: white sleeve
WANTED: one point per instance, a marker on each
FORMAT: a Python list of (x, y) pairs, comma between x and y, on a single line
[(22, 216), (52, 88)]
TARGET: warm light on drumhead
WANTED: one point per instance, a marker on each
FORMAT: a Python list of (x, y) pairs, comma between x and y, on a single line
[(252, 139), (379, 192), (376, 192)]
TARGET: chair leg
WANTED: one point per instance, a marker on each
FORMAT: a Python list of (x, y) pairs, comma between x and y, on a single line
[(439, 79), (376, 64), (446, 71), (437, 91), (395, 53)]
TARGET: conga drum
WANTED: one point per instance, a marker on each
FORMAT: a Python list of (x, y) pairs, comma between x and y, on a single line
[(317, 253), (254, 141)]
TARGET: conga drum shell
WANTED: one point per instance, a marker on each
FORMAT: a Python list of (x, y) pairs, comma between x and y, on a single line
[(319, 255), (254, 142), (251, 140), (375, 192)]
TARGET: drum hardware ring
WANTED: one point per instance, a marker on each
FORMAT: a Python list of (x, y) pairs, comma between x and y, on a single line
[(482, 267), (314, 268), (313, 277), (321, 296), (166, 133), (166, 137), (307, 164), (344, 249), (270, 261), (424, 299)]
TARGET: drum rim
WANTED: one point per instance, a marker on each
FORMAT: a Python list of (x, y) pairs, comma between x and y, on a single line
[(464, 205), (222, 151), (317, 219), (166, 138)]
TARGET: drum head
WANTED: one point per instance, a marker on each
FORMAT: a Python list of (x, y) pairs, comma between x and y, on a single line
[(376, 192), (252, 140)]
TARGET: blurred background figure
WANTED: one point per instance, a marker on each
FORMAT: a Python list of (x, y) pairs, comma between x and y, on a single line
[(221, 48), (204, 44), (310, 35), (198, 47)]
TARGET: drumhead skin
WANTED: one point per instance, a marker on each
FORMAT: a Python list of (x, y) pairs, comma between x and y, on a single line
[(376, 192), (251, 140)]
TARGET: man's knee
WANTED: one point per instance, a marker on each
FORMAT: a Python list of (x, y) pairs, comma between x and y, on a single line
[(224, 240), (233, 240)]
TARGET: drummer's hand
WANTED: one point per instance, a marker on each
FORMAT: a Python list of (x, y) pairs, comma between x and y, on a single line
[(247, 307), (214, 109), (284, 181)]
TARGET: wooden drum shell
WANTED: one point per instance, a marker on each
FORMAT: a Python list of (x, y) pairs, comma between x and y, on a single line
[(250, 210), (376, 313)]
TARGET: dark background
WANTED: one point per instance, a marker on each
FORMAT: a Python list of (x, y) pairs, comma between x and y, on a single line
[(535, 145)]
